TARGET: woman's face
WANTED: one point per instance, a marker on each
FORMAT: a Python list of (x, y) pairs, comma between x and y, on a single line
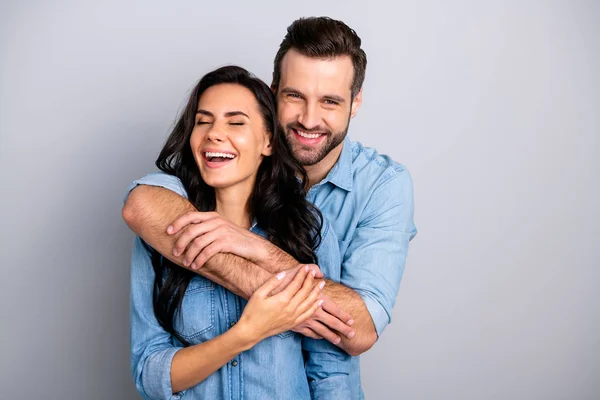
[(229, 139)]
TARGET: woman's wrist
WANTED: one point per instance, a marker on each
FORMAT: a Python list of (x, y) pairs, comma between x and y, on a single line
[(245, 335)]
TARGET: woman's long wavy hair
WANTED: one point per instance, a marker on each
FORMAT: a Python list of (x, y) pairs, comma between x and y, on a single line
[(278, 201)]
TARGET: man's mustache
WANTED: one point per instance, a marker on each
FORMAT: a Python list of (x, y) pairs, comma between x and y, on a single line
[(296, 126)]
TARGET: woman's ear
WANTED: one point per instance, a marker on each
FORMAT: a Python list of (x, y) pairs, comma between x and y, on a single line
[(268, 148)]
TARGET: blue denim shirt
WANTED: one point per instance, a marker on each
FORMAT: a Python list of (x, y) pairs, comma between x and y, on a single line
[(273, 369), (368, 199)]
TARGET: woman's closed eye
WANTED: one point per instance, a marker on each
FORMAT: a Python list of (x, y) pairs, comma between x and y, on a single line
[(237, 123), (202, 122)]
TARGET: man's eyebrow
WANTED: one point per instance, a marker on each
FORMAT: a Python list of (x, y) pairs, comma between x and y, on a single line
[(288, 89), (334, 97), (227, 114)]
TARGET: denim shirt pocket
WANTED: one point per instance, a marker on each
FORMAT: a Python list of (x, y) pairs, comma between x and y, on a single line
[(196, 320)]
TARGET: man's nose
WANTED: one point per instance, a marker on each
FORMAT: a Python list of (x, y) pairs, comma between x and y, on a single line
[(310, 117)]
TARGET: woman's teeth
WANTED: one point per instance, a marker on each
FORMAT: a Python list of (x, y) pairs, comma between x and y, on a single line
[(210, 154), (309, 135)]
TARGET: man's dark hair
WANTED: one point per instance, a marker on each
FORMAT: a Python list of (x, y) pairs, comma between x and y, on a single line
[(323, 37)]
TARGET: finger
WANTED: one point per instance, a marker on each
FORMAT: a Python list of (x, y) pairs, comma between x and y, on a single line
[(324, 332), (309, 333), (269, 285), (206, 254), (194, 217), (191, 232), (336, 311), (308, 300), (335, 324), (304, 291), (316, 268), (291, 289), (311, 310), (197, 245)]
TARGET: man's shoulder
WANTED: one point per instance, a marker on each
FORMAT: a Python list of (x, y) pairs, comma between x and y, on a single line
[(369, 165)]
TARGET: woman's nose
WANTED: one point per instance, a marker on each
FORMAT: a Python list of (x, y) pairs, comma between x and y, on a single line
[(215, 135)]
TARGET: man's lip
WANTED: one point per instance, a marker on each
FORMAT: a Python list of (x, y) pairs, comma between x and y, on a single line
[(308, 141)]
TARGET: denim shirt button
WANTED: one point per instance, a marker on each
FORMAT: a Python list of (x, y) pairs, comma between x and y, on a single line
[(232, 323), (234, 363)]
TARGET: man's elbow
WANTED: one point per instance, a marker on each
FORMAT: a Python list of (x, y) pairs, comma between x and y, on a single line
[(362, 344), (132, 209)]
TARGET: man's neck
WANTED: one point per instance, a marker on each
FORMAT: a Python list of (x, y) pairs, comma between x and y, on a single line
[(316, 173)]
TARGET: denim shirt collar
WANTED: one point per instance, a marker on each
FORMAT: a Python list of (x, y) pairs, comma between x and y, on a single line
[(343, 170)]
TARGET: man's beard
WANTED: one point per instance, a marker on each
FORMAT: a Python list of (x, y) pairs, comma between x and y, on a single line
[(310, 155)]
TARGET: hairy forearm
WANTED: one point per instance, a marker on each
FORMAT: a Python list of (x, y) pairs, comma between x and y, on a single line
[(364, 328), (346, 298), (148, 212)]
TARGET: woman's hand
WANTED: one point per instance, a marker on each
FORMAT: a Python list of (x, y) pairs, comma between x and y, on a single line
[(205, 234), (267, 315)]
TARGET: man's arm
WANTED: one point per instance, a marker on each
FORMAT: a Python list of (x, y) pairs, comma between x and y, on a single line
[(150, 219), (373, 264)]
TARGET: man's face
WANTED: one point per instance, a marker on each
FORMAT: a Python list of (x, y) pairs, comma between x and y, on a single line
[(314, 104)]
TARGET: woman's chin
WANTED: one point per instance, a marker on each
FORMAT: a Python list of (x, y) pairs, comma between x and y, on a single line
[(218, 182)]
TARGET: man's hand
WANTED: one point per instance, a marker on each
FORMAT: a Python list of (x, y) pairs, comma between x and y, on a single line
[(328, 322), (205, 234)]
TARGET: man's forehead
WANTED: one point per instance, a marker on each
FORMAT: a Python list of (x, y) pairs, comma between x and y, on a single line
[(316, 74)]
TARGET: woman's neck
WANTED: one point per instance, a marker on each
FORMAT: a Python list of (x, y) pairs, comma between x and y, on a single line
[(233, 204)]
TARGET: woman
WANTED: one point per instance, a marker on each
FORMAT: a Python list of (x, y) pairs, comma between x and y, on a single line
[(187, 332)]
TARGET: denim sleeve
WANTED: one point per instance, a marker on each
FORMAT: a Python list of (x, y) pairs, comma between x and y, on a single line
[(376, 255), (328, 366), (160, 179), (152, 348)]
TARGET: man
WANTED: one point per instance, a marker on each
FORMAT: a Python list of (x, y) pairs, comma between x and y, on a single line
[(318, 75)]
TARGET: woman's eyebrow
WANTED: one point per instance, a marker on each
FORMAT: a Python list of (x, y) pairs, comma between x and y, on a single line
[(234, 113)]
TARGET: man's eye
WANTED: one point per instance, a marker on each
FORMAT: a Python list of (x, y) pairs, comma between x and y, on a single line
[(294, 95), (331, 102)]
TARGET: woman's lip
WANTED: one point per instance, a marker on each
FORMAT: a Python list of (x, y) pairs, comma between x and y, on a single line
[(214, 164)]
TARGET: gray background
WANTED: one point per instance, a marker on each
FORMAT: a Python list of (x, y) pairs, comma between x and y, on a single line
[(493, 107)]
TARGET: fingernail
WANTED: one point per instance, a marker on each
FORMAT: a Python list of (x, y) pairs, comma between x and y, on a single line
[(280, 275), (175, 252), (319, 303), (337, 340), (322, 285), (351, 334), (306, 268), (314, 273), (170, 229), (350, 322), (193, 265), (185, 263)]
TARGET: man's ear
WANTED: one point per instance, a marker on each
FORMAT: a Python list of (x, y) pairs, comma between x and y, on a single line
[(356, 102), (273, 89)]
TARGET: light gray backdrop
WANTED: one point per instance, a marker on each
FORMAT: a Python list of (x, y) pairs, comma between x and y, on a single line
[(493, 107)]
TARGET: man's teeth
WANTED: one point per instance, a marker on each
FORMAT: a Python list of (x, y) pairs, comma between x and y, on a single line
[(309, 135), (223, 155)]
